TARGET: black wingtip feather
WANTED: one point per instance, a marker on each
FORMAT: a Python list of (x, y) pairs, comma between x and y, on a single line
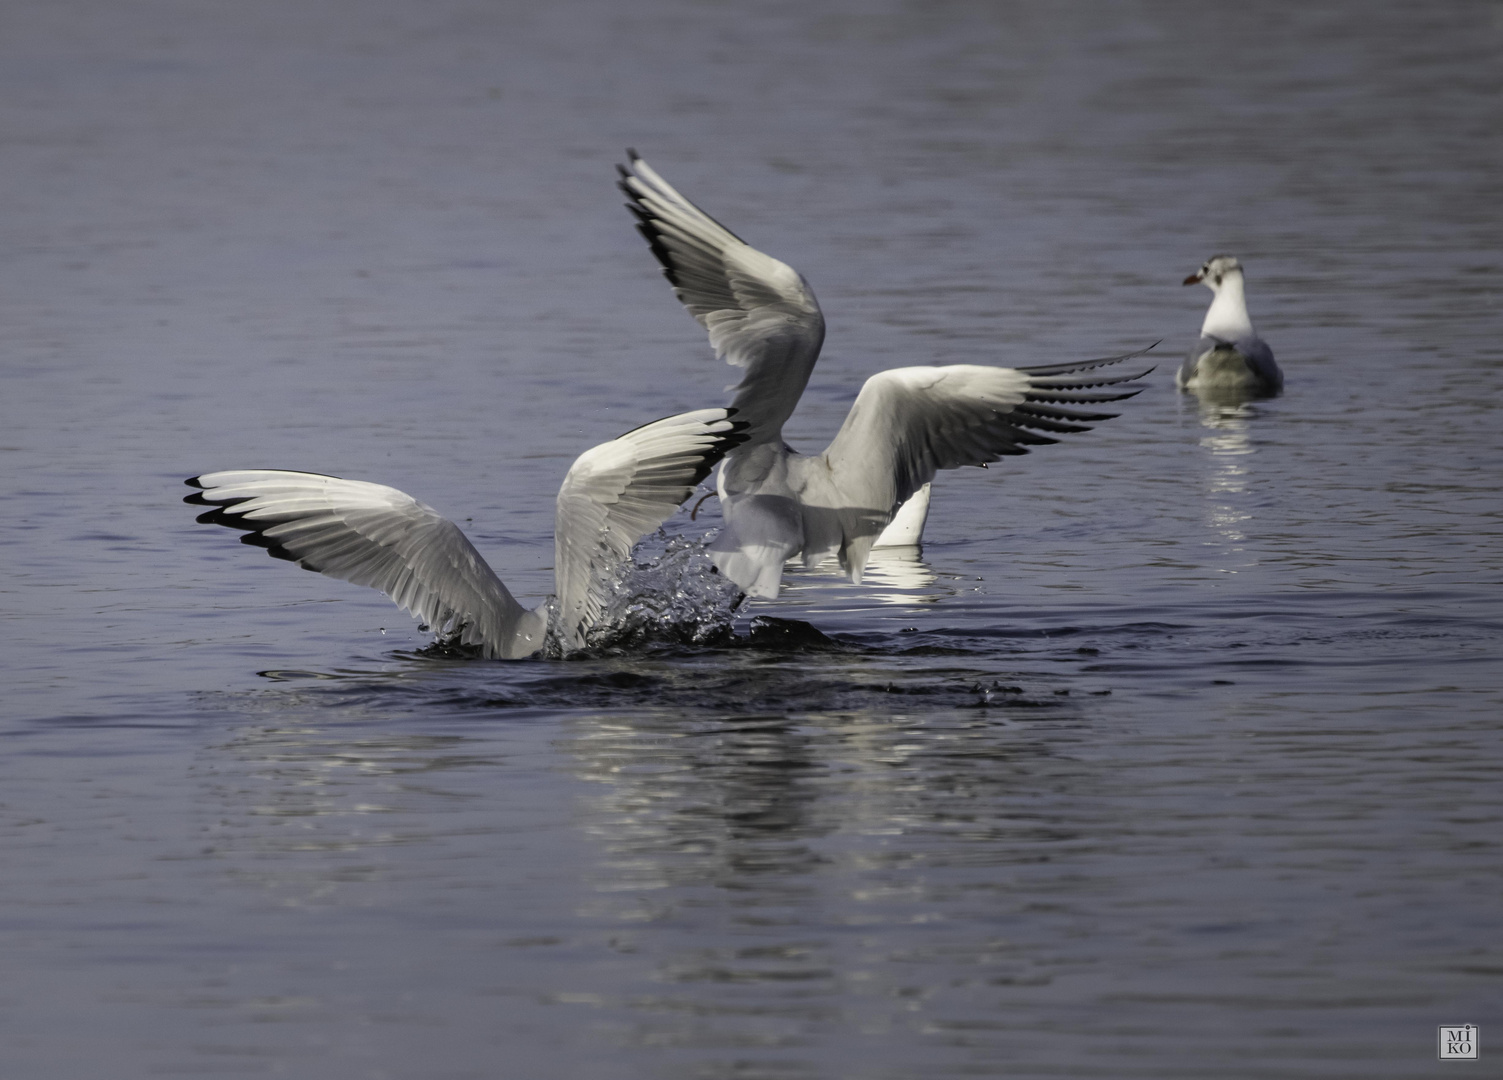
[(222, 512), (647, 214), (712, 455), (1090, 365), (659, 249), (274, 549), (1065, 416), (735, 437)]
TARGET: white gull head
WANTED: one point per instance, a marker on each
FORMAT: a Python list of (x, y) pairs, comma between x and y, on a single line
[(1227, 316)]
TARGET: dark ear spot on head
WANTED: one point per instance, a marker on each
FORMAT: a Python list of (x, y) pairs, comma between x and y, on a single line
[(1218, 279)]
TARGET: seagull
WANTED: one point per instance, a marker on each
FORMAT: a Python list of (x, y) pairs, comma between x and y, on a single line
[(370, 534), (1230, 356), (905, 424)]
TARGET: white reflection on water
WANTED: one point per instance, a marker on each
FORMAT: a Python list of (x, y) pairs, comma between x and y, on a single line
[(741, 853), (297, 809), (904, 577), (1229, 441)]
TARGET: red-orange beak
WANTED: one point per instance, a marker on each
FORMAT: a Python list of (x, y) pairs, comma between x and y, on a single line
[(1194, 279)]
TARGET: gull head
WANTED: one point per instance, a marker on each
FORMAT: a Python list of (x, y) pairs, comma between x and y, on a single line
[(1215, 268)]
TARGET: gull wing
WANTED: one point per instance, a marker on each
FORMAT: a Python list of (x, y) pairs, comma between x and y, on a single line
[(1260, 360), (1264, 372), (369, 534), (760, 313), (619, 491), (907, 423)]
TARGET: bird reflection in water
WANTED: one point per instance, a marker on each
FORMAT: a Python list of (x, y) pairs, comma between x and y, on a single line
[(1228, 439), (686, 807), (684, 803), (895, 576), (300, 809), (742, 850), (901, 575)]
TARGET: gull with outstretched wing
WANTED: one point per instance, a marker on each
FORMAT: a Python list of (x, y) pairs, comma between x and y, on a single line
[(871, 485), (370, 534)]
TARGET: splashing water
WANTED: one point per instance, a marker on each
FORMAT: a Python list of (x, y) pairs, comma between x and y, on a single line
[(675, 596)]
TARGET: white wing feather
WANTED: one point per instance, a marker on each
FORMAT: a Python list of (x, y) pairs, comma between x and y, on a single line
[(760, 313), (373, 535), (619, 491), (369, 534), (907, 423)]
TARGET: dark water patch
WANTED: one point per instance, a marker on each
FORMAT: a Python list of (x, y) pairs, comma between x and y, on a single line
[(789, 635), (612, 680), (940, 650), (829, 676), (1129, 630), (293, 675)]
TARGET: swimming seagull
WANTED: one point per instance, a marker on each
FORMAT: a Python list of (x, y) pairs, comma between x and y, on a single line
[(1229, 357), (374, 535), (905, 424)]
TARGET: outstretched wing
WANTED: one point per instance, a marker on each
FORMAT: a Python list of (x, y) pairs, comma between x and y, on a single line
[(619, 491), (760, 312), (909, 422), (369, 534)]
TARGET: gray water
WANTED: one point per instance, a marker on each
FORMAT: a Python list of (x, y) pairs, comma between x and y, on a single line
[(1177, 753)]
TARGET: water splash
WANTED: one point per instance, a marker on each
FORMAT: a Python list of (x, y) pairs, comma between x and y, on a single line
[(673, 595), (670, 593)]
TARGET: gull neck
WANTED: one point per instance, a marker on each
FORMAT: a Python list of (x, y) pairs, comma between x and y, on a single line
[(1227, 316)]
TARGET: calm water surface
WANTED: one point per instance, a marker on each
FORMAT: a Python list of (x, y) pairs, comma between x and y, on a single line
[(1176, 753)]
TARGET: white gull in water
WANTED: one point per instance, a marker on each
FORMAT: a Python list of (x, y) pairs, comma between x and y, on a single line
[(905, 424), (369, 534), (1229, 357)]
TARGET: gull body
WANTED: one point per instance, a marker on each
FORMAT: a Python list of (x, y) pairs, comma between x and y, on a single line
[(374, 535), (1230, 357), (905, 424)]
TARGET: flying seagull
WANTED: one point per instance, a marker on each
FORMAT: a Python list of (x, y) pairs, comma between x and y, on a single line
[(374, 535), (905, 424), (1230, 356)]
